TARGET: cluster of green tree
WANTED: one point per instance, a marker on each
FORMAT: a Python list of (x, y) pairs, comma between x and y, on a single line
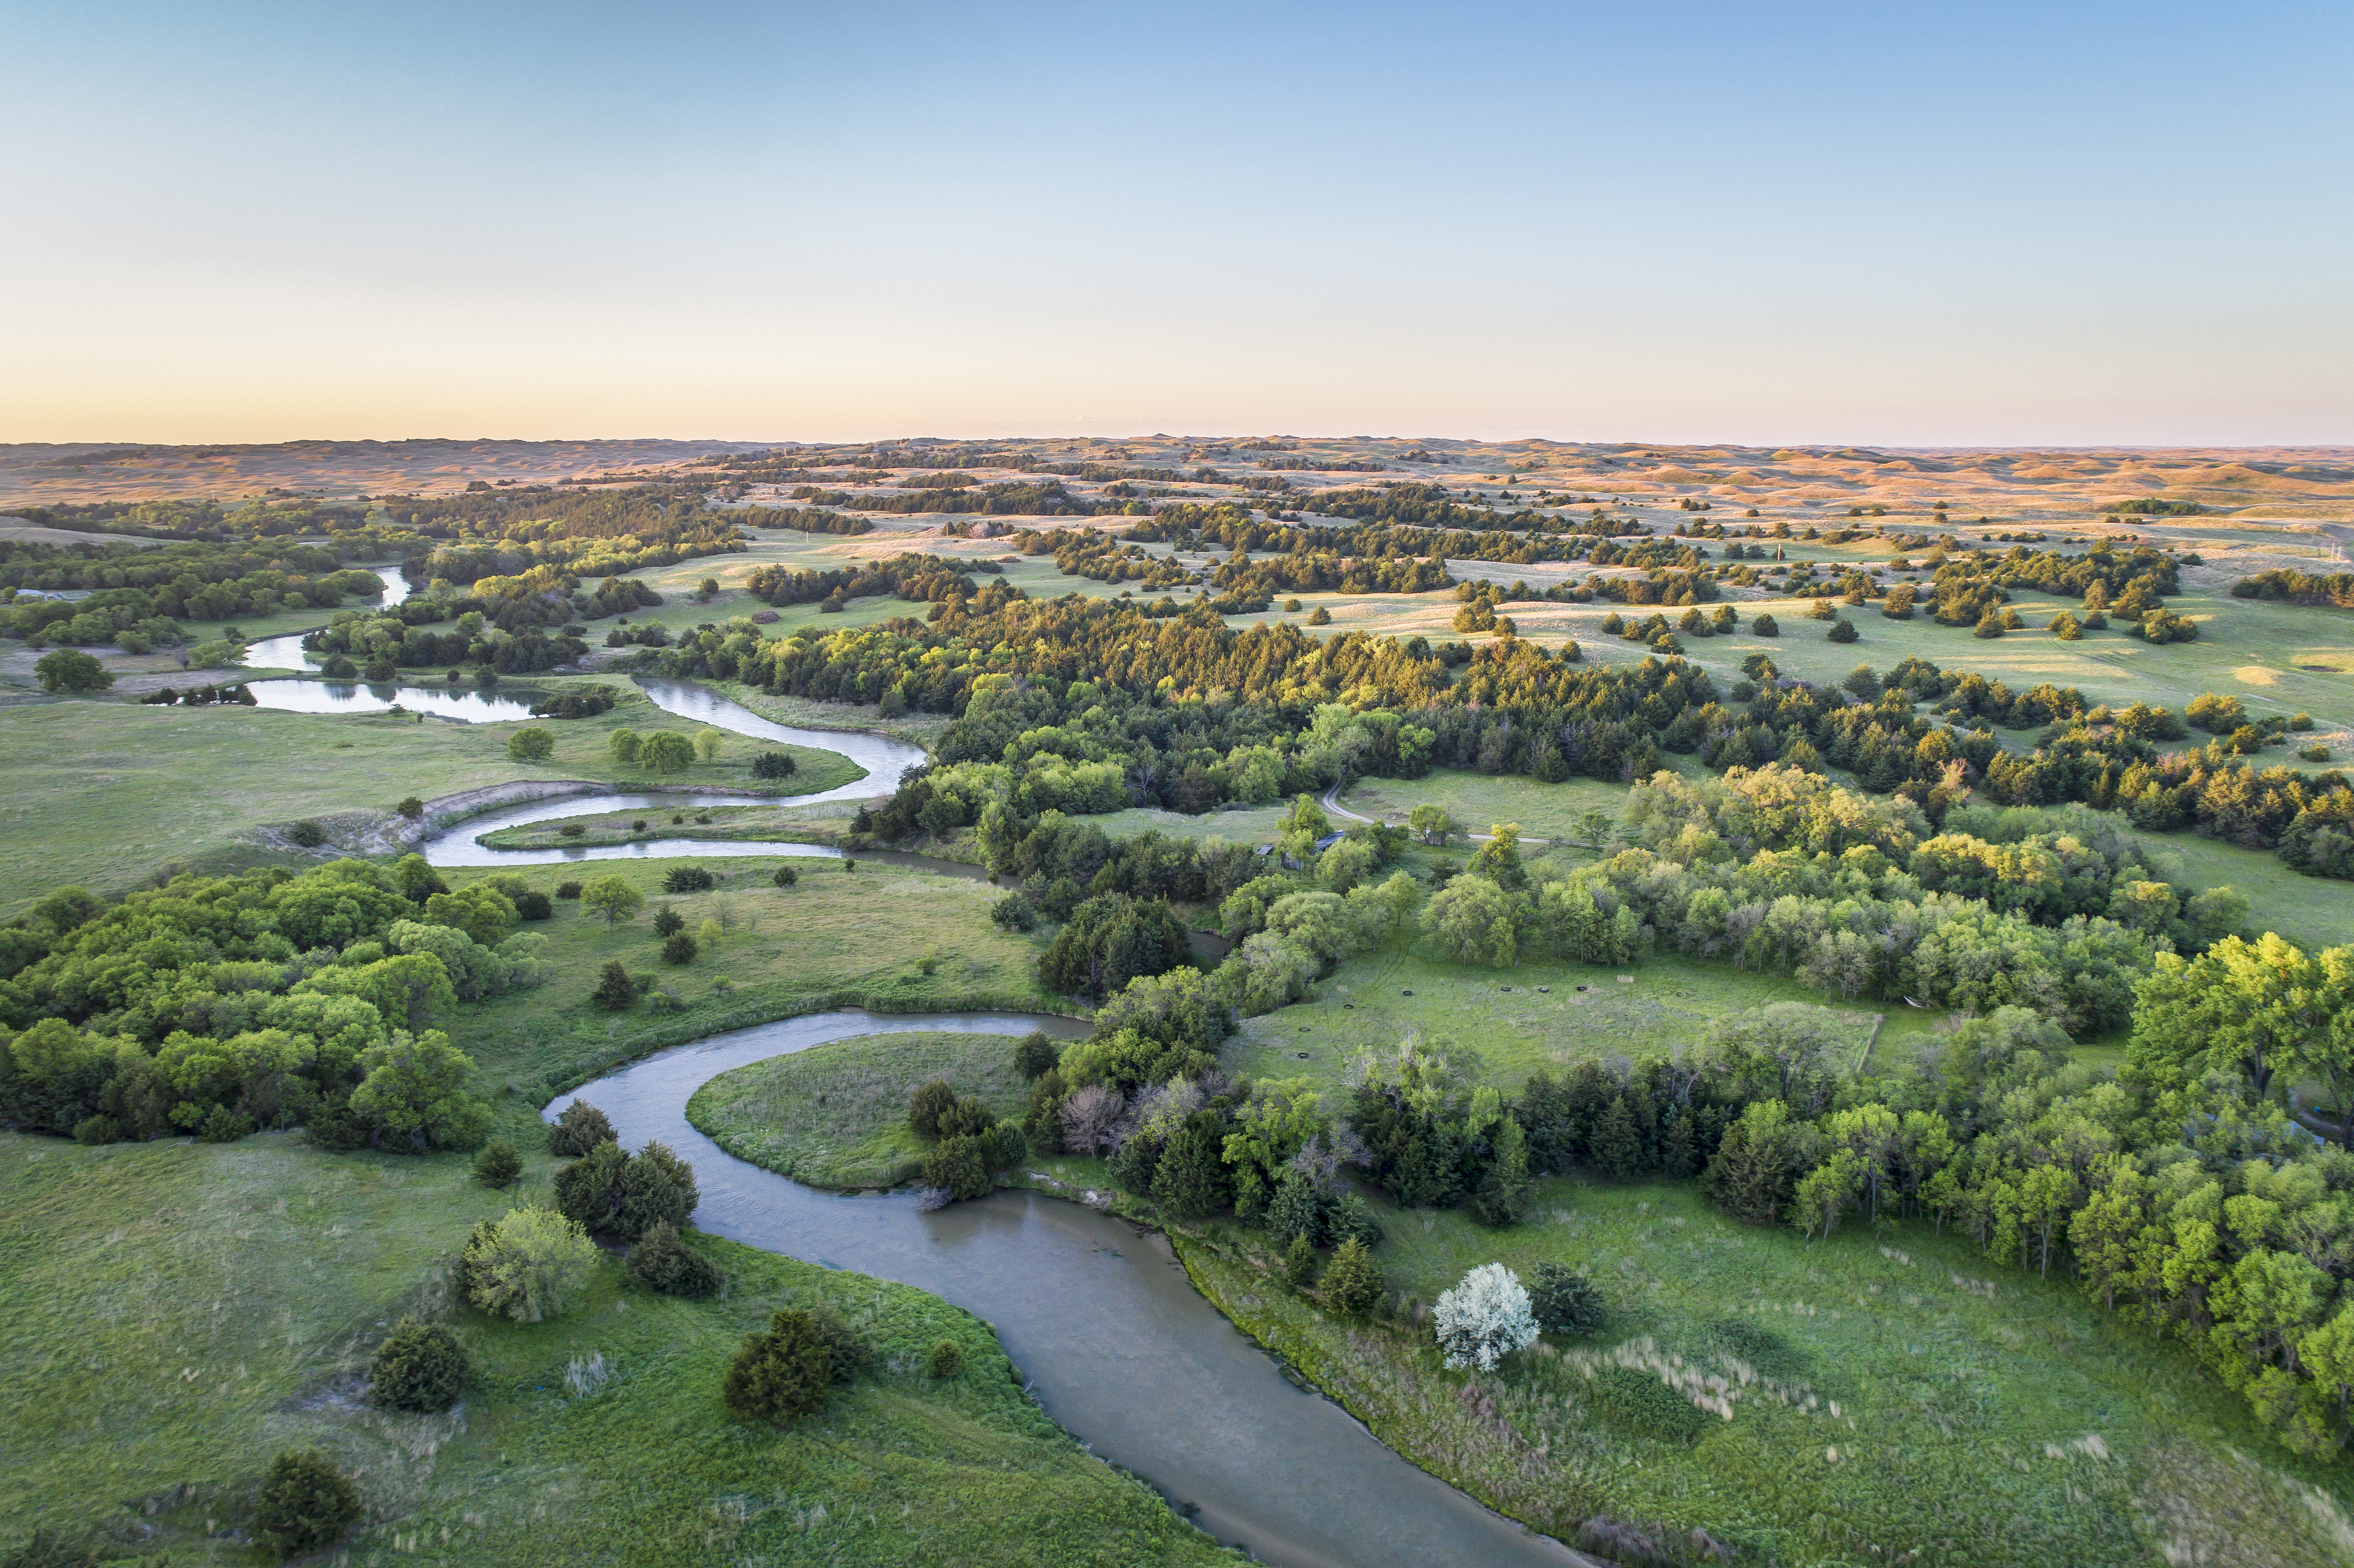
[(579, 533), (2191, 1191), (378, 644), (818, 520), (918, 578), (207, 521), (1098, 558), (1009, 498), (1426, 505), (1319, 571), (2298, 588), (577, 702), (221, 1005), (1226, 525), (1965, 588), (140, 597), (1778, 871), (2151, 507)]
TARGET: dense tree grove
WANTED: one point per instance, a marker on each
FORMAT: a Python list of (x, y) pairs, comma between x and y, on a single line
[(143, 594), (267, 999)]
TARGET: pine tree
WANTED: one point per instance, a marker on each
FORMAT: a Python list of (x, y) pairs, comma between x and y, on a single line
[(1191, 1182), (1503, 1194), (615, 989), (1677, 1156), (1354, 1281), (1617, 1148), (1299, 1264)]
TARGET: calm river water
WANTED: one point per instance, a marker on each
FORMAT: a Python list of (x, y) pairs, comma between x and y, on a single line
[(1121, 1348)]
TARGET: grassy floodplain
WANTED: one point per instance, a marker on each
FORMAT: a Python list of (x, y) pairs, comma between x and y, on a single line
[(112, 790), (202, 1308), (1902, 1401), (836, 1115)]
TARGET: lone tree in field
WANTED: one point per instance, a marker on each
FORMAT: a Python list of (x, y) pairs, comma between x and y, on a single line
[(306, 1504), (666, 751), (614, 898), (530, 1264), (615, 989), (69, 671), (773, 765), (418, 1368), (532, 743), (1485, 1318), (781, 1372)]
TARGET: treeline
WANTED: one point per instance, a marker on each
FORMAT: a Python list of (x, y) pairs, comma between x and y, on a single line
[(1007, 498), (1099, 557), (511, 625), (918, 578), (140, 594), (1425, 505), (221, 1005), (2298, 588)]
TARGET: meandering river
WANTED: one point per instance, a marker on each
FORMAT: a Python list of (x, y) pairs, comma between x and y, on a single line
[(1119, 1346)]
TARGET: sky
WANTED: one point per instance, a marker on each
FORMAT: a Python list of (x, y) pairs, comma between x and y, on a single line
[(1887, 224)]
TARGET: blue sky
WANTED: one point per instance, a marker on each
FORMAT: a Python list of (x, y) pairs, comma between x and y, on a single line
[(1896, 225)]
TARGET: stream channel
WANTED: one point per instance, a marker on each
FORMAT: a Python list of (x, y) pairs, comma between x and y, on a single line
[(1117, 1345)]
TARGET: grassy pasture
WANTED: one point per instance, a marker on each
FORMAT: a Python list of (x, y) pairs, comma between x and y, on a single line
[(112, 790), (1900, 1405), (836, 1114), (835, 938), (179, 1313), (1499, 1028)]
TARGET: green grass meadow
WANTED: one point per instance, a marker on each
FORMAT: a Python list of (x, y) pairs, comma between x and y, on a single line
[(113, 791), (180, 1313), (1892, 1398), (836, 1114)]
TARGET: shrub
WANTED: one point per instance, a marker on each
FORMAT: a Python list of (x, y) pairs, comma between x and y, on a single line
[(1564, 1303), (1300, 1264), (224, 1124), (418, 1367), (306, 834), (615, 989), (580, 1127), (662, 1262), (1015, 913), (2215, 715), (786, 876), (1763, 625), (1637, 1403), (963, 1167), (1354, 1281), (926, 1106), (668, 923), (532, 904), (1484, 1319), (412, 807), (2308, 753), (1320, 616), (567, 890), (528, 1266), (1989, 625), (1034, 1053), (773, 765), (947, 1360), (498, 1164), (781, 1371), (306, 1503), (98, 1130), (625, 1195), (1843, 630), (678, 949), (689, 879)]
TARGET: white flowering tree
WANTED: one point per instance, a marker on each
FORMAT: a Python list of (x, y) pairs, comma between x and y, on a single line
[(1485, 1318)]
